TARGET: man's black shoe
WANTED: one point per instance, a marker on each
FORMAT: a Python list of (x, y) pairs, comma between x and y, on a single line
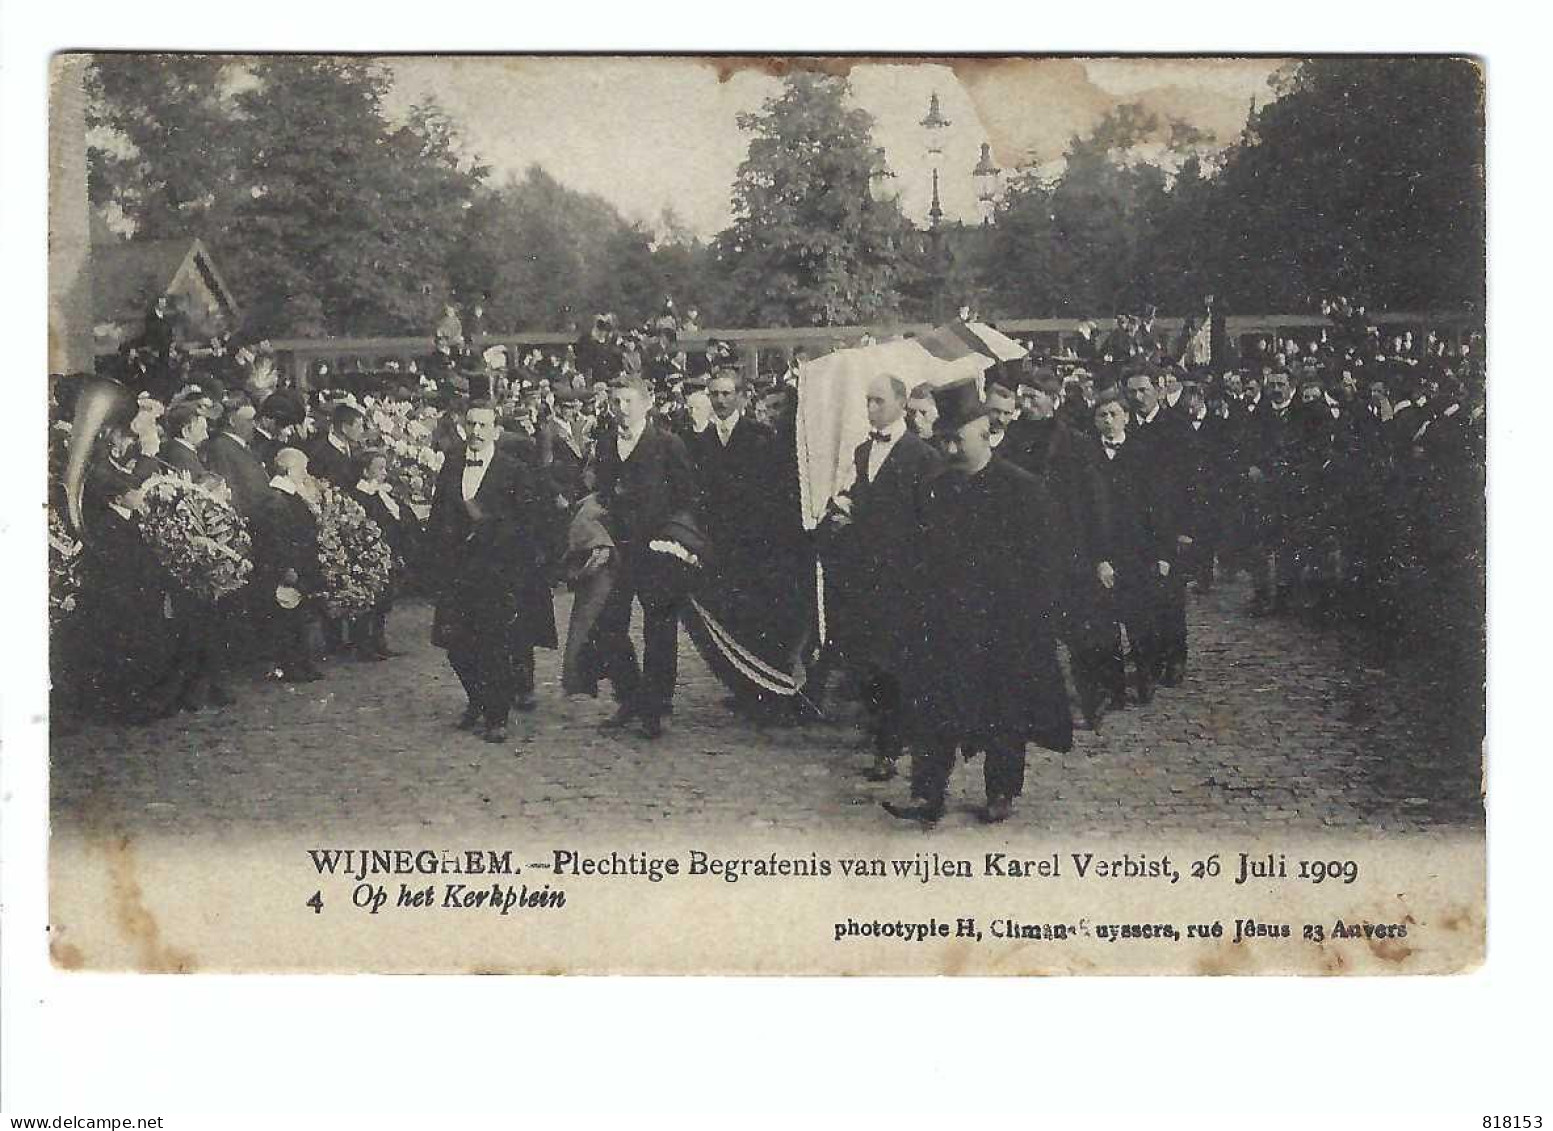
[(471, 718), (922, 813), (652, 727), (998, 810), (496, 734), (1145, 688), (619, 720)]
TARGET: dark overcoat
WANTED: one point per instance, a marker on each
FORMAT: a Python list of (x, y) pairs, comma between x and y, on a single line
[(880, 549), (981, 661), (325, 461), (121, 638), (243, 471), (285, 536)]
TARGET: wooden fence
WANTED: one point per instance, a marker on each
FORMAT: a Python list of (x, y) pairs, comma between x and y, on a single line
[(301, 355)]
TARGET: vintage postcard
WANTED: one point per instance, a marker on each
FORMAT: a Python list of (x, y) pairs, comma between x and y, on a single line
[(735, 515)]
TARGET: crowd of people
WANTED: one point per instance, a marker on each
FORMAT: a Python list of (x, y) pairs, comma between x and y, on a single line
[(1007, 546)]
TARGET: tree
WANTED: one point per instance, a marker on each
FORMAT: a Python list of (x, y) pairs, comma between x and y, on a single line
[(161, 153), (1365, 177), (808, 245), (326, 217)]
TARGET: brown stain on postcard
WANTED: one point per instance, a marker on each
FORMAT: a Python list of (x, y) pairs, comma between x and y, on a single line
[(135, 920)]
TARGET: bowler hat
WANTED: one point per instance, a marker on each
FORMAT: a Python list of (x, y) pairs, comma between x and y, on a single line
[(630, 379), (284, 408)]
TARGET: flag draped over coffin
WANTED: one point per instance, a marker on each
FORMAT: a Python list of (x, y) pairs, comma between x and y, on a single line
[(741, 618)]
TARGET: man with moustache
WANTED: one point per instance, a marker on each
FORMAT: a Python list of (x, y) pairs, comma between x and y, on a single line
[(1001, 412), (974, 679), (921, 411), (487, 523)]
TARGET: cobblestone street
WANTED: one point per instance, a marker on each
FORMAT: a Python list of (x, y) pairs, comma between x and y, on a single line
[(1278, 728)]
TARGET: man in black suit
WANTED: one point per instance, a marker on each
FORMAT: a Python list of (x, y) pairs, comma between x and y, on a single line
[(563, 453), (756, 587), (730, 455), (279, 412), (227, 453), (1204, 460), (186, 428), (975, 679), (880, 517), (644, 477), (1130, 551), (198, 673), (495, 607), (1263, 460), (332, 457), (562, 447), (1159, 435)]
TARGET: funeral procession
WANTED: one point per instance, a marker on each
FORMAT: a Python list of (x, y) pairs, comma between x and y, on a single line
[(1111, 463)]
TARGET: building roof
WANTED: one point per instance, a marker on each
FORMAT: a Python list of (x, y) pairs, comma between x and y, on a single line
[(127, 277)]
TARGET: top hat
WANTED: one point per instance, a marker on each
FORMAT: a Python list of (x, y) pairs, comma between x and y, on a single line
[(958, 402)]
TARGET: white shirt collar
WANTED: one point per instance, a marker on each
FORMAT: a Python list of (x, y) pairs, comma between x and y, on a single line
[(236, 437), (383, 491), (339, 445), (725, 427), (284, 484), (625, 446), (894, 431)]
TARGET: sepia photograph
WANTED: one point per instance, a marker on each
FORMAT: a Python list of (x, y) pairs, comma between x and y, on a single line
[(791, 515)]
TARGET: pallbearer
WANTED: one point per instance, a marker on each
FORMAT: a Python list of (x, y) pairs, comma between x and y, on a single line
[(977, 679)]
